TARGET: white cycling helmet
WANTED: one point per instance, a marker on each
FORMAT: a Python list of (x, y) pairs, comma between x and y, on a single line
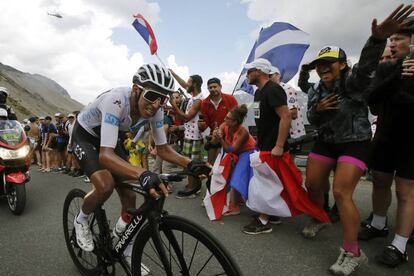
[(156, 75), (4, 90), (3, 113)]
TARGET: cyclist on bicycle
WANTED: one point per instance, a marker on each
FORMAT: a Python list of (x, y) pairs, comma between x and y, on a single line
[(97, 143)]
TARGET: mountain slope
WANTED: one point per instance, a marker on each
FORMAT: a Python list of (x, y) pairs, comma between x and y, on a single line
[(33, 94)]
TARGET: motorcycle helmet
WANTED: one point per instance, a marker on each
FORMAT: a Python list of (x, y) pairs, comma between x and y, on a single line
[(4, 90), (3, 114), (156, 75)]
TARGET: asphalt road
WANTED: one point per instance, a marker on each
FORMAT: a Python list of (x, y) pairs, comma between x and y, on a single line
[(33, 243)]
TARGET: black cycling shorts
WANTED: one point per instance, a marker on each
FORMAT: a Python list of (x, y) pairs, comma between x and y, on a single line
[(391, 157), (85, 149), (356, 153)]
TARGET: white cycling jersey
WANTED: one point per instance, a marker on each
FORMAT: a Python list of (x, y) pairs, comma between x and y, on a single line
[(105, 117)]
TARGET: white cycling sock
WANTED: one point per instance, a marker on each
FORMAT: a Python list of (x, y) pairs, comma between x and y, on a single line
[(120, 226), (378, 222), (400, 242), (82, 217)]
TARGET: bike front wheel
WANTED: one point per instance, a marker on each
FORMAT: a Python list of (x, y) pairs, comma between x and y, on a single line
[(187, 249)]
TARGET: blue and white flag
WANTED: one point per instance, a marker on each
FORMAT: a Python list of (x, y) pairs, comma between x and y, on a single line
[(283, 45)]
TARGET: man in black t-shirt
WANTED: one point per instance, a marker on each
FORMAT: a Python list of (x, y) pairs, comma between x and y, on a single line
[(273, 123)]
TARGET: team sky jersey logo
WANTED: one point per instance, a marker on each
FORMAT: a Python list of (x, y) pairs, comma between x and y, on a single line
[(111, 119), (159, 124), (79, 152)]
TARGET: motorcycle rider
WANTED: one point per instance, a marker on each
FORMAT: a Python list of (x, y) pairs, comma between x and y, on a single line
[(4, 93)]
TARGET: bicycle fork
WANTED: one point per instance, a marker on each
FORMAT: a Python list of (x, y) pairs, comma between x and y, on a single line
[(160, 247)]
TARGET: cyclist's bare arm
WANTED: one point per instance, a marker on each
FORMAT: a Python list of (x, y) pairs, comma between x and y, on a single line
[(118, 166)]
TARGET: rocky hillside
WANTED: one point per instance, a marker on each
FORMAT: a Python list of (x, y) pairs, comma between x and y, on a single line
[(33, 94)]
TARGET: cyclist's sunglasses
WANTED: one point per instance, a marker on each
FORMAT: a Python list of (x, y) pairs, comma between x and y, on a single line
[(153, 96)]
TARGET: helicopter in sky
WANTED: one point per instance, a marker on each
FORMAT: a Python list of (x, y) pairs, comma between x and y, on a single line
[(55, 14)]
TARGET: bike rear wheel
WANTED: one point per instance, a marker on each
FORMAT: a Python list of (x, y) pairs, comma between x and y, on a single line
[(188, 248), (86, 262)]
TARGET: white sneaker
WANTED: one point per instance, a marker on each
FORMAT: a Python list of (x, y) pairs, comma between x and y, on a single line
[(347, 263), (83, 236), (313, 228)]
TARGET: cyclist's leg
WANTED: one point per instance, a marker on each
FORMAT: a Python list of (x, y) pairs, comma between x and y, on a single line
[(86, 152), (103, 186)]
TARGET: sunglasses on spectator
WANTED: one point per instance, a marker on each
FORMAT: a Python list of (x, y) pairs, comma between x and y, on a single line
[(153, 96)]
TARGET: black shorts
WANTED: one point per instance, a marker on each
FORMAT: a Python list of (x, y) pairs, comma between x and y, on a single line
[(38, 145), (62, 146), (356, 153), (53, 143), (391, 157), (85, 149)]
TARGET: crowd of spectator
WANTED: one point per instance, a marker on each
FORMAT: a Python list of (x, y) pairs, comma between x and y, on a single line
[(338, 106)]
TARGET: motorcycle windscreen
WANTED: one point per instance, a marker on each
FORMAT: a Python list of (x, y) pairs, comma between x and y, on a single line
[(11, 133)]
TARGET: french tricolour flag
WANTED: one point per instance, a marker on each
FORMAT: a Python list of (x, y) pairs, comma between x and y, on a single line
[(217, 197), (145, 30), (283, 45), (272, 186)]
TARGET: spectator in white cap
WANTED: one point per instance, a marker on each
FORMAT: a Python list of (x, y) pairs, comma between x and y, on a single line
[(273, 122), (259, 64), (297, 128)]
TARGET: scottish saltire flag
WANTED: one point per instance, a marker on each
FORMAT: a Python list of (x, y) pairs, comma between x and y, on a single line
[(283, 45), (145, 30), (275, 188)]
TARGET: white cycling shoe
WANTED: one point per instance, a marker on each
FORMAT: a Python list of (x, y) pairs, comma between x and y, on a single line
[(83, 236)]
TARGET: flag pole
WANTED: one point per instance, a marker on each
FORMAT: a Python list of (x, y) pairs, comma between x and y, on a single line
[(159, 59), (234, 89), (162, 63)]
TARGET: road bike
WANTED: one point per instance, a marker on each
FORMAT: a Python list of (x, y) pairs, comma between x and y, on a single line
[(164, 244)]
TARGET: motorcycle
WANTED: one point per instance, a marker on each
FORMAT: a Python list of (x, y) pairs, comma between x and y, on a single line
[(14, 164)]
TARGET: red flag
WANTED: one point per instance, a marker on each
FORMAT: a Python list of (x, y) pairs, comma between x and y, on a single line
[(217, 197), (276, 188), (144, 29)]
